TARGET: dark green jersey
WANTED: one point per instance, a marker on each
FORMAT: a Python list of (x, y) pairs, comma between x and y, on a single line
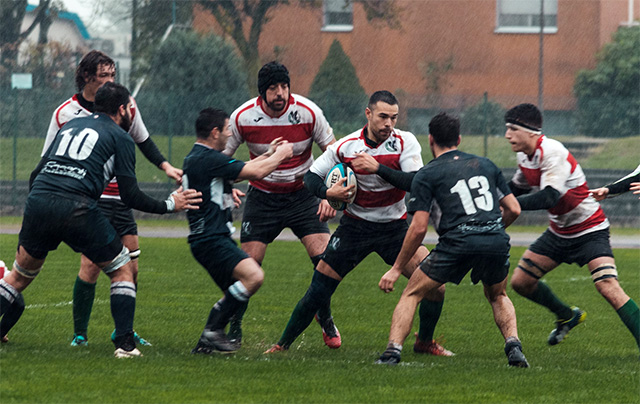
[(212, 173), (85, 154), (462, 193)]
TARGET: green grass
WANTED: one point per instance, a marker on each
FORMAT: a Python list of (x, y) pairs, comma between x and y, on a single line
[(619, 154), (598, 362)]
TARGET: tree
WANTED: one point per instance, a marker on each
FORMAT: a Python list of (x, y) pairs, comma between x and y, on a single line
[(233, 16), (151, 18), (337, 90), (609, 95), (12, 14), (434, 73), (190, 72), (483, 118)]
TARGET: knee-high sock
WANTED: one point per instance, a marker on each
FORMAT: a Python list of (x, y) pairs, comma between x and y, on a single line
[(324, 311), (543, 295), (83, 295), (12, 315), (231, 302), (123, 306), (429, 314), (318, 294), (630, 316)]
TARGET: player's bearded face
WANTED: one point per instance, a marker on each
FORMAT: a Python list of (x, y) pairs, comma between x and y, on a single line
[(381, 119), (125, 122), (277, 97)]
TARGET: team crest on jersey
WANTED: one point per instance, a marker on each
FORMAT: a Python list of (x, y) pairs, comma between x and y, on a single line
[(294, 117), (391, 146)]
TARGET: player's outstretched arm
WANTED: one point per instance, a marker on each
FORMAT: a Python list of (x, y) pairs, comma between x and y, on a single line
[(259, 168), (133, 197), (635, 187), (599, 193)]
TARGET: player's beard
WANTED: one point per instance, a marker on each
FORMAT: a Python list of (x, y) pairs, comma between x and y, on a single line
[(280, 106), (125, 122)]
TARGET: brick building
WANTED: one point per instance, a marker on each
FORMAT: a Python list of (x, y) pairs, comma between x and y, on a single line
[(473, 46)]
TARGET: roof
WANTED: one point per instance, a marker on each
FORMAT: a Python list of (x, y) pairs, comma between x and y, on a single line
[(73, 17)]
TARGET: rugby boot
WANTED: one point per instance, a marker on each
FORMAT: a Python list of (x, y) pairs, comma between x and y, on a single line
[(214, 341), (330, 333), (564, 326), (516, 358), (126, 347), (432, 348)]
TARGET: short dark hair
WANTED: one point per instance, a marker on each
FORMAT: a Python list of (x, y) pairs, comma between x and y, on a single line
[(109, 98), (445, 129), (526, 115), (384, 96), (208, 119), (270, 74), (89, 66)]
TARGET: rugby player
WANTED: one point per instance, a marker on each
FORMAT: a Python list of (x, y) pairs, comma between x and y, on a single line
[(549, 177)]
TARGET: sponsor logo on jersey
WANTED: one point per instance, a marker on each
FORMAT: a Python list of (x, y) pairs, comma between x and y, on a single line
[(77, 112), (258, 119), (294, 117)]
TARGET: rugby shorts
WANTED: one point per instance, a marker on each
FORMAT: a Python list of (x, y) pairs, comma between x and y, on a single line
[(354, 239), (443, 266), (219, 255), (119, 215), (266, 215), (580, 250), (51, 219)]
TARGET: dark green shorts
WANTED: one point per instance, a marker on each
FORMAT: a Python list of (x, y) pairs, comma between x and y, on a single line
[(51, 219), (443, 266), (219, 255)]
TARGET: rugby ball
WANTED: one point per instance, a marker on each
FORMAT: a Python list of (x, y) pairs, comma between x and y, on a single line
[(338, 172)]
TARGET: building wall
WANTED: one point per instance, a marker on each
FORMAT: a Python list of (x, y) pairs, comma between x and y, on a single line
[(503, 65)]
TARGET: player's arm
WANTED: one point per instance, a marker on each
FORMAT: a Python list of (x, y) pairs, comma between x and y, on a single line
[(412, 240), (399, 179), (51, 133), (544, 199), (236, 138), (618, 187), (510, 209), (178, 201), (338, 192), (257, 169)]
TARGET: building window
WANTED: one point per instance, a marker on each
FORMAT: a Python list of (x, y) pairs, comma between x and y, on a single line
[(523, 16), (338, 15)]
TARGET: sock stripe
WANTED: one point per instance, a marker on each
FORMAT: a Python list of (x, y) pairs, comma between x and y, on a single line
[(123, 288), (7, 291)]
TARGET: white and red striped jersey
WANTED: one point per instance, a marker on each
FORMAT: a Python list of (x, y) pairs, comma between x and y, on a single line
[(301, 124), (71, 109), (376, 200), (576, 213)]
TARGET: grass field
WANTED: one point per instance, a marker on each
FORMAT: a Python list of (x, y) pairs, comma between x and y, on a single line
[(616, 154), (598, 363)]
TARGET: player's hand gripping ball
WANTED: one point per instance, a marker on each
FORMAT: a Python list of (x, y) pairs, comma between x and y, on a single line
[(338, 172)]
